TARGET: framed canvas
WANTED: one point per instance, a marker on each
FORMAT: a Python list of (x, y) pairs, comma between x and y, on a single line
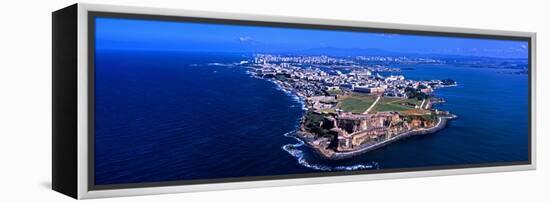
[(151, 101)]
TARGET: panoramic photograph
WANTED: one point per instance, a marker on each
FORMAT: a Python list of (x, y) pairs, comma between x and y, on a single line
[(184, 101)]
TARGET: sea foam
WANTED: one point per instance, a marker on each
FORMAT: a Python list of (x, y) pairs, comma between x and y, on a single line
[(296, 152)]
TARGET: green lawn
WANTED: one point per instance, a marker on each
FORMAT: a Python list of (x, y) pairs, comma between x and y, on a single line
[(359, 103), (356, 103), (400, 101), (394, 104)]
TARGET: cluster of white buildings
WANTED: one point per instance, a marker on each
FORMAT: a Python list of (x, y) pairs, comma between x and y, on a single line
[(312, 81), (400, 59), (266, 58)]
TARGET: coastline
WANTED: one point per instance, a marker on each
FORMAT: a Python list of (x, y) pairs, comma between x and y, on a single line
[(302, 134), (306, 138), (442, 122)]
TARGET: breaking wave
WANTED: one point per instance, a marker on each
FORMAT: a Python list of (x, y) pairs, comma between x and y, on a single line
[(291, 94), (296, 152)]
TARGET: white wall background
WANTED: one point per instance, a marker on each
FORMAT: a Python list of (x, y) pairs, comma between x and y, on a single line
[(25, 98)]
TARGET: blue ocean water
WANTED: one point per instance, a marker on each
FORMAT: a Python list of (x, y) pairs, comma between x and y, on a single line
[(163, 116)]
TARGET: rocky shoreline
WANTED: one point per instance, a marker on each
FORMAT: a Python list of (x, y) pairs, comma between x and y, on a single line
[(336, 155), (339, 133), (308, 137)]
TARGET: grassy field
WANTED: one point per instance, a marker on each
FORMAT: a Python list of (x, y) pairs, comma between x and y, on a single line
[(356, 103), (394, 104), (359, 103), (400, 101)]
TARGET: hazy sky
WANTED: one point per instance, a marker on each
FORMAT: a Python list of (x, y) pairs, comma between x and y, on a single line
[(113, 33)]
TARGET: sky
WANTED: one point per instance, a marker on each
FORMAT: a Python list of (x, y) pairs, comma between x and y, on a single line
[(118, 33)]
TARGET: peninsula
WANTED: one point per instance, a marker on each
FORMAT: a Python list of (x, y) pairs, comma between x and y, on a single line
[(351, 107)]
